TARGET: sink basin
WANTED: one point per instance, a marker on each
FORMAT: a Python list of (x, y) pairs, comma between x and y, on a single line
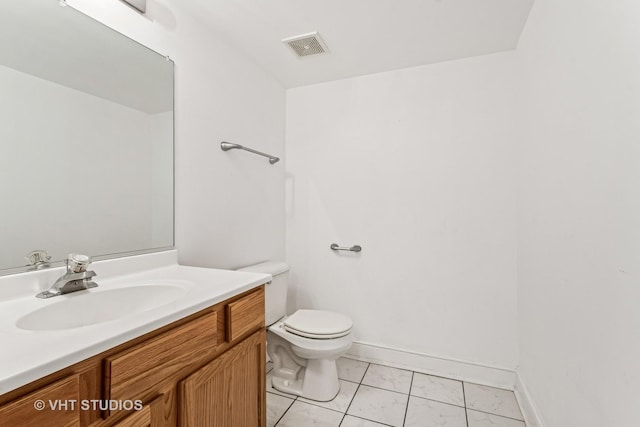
[(86, 308)]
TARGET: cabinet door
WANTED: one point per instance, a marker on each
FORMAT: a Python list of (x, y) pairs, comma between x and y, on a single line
[(151, 415), (229, 391)]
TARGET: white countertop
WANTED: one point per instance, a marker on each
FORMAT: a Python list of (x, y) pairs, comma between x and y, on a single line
[(26, 355)]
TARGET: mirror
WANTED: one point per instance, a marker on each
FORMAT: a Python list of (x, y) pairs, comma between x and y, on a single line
[(86, 138)]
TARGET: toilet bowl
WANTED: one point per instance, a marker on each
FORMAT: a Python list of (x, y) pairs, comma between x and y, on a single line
[(305, 345)]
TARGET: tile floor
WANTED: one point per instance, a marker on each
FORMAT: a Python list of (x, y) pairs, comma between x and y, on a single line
[(374, 395)]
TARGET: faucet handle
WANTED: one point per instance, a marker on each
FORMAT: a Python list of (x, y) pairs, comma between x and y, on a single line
[(77, 263), (38, 258)]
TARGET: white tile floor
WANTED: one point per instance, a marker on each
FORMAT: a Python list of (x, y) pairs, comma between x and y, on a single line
[(374, 395)]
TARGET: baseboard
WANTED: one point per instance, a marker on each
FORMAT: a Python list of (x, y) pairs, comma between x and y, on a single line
[(435, 365), (529, 410)]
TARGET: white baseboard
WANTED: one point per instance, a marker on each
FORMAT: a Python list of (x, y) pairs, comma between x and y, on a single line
[(435, 365), (529, 410)]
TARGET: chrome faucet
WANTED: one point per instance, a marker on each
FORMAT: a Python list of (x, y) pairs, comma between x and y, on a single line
[(77, 278)]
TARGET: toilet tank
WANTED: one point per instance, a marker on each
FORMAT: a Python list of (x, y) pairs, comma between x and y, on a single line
[(276, 291)]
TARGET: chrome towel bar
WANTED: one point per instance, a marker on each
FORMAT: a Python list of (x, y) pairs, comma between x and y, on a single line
[(226, 146), (355, 248)]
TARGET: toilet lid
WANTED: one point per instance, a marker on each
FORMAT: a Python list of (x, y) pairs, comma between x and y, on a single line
[(318, 324)]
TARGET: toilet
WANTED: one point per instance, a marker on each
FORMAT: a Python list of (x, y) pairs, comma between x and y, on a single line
[(303, 346)]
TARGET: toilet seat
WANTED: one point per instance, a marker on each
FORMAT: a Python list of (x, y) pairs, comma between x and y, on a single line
[(318, 324), (311, 344)]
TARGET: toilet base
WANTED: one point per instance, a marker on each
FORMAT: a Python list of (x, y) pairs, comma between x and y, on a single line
[(319, 381), (305, 367)]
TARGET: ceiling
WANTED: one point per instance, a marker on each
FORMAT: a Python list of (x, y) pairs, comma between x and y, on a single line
[(363, 36)]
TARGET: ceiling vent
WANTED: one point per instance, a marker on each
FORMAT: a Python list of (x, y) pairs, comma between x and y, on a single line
[(306, 45)]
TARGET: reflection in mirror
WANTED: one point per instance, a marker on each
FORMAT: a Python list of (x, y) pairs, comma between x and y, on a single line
[(86, 138)]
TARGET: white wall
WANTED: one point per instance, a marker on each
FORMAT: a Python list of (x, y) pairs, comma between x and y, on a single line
[(417, 166), (579, 213), (58, 149), (229, 206)]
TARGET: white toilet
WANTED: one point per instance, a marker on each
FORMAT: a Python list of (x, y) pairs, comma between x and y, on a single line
[(305, 345)]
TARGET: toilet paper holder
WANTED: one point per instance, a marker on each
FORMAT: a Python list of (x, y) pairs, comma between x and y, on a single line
[(354, 248)]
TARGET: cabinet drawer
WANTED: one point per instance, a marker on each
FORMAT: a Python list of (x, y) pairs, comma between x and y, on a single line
[(23, 412), (133, 372), (245, 315)]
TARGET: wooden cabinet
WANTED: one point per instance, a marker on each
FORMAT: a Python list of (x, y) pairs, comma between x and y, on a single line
[(149, 416), (207, 369), (55, 405), (132, 373), (223, 393), (244, 315)]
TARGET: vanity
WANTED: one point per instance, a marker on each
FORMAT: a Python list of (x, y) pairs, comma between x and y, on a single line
[(197, 360)]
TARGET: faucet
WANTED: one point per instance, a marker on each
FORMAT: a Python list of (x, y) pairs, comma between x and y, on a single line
[(76, 278)]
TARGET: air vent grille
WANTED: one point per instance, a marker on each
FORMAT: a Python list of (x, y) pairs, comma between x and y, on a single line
[(306, 45)]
